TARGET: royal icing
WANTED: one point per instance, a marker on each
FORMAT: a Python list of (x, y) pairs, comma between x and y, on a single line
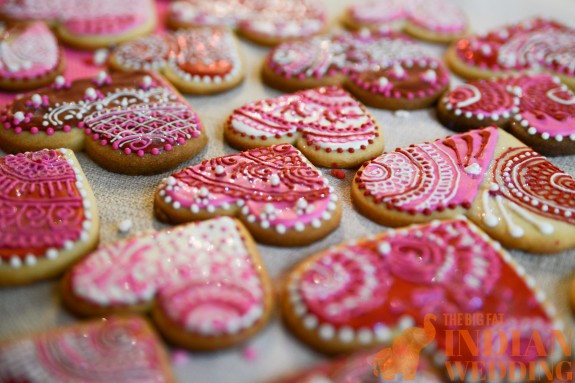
[(202, 276), (28, 52), (136, 114), (274, 187), (203, 55), (274, 19), (101, 351), (363, 291), (326, 119), (531, 44), (382, 64), (44, 207), (516, 187), (538, 103), (438, 16)]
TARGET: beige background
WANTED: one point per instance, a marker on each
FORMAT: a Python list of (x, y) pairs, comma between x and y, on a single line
[(37, 307)]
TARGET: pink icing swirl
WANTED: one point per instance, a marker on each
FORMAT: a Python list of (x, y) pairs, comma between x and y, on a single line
[(486, 98)]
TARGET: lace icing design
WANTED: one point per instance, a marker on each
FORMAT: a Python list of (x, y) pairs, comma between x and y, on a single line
[(482, 100), (432, 176), (115, 349), (275, 187), (324, 117), (201, 274), (42, 207)]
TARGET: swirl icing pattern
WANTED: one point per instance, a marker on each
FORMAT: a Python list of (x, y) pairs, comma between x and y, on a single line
[(203, 277), (115, 349), (274, 188), (453, 258)]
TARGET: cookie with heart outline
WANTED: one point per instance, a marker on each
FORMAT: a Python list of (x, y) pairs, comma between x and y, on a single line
[(204, 283), (436, 20), (327, 124), (280, 197), (513, 193), (535, 44), (122, 349), (30, 56), (383, 70), (48, 215), (87, 24), (266, 22), (132, 123), (368, 291), (537, 109), (201, 60)]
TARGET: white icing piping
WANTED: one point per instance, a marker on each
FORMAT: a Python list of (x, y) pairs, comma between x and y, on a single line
[(471, 100), (551, 94)]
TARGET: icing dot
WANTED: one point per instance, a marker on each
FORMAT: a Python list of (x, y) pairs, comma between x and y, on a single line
[(125, 226), (220, 170), (384, 248), (473, 169), (274, 180), (91, 93), (147, 81), (19, 116), (60, 80), (37, 99)]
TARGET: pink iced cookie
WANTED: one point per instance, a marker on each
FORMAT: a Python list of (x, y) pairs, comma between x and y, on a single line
[(513, 193), (48, 215), (114, 349), (406, 288), (538, 109), (280, 197), (29, 56), (204, 282), (327, 124), (381, 69), (86, 23), (434, 20), (535, 44), (267, 22)]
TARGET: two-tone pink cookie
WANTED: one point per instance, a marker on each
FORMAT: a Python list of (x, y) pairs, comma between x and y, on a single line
[(381, 69), (406, 289), (48, 215), (535, 44), (100, 351), (29, 56), (432, 20), (280, 197), (537, 109), (266, 22), (204, 282), (199, 60), (513, 193), (133, 123), (327, 124), (87, 24)]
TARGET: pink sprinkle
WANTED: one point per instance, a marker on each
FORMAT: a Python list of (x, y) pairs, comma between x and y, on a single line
[(103, 142), (155, 151), (115, 146), (338, 173), (180, 357), (127, 150), (168, 147), (7, 125), (27, 120), (81, 124), (140, 153), (18, 130), (96, 136), (88, 131), (34, 130), (49, 131), (195, 134), (67, 128), (250, 354), (181, 141)]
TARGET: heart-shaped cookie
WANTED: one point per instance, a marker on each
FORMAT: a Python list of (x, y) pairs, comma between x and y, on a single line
[(29, 56), (381, 69), (433, 20), (114, 349), (537, 109), (328, 125), (86, 23), (205, 282), (513, 193), (48, 215), (267, 22), (200, 60), (280, 197), (133, 123), (419, 280), (535, 44)]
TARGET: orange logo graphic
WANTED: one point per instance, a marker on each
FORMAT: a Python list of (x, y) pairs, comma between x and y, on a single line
[(403, 355)]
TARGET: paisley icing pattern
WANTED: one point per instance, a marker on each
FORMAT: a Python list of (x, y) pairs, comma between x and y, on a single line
[(274, 187), (382, 64), (531, 44), (203, 55), (272, 19), (43, 207), (452, 259), (101, 351), (28, 52), (202, 275)]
